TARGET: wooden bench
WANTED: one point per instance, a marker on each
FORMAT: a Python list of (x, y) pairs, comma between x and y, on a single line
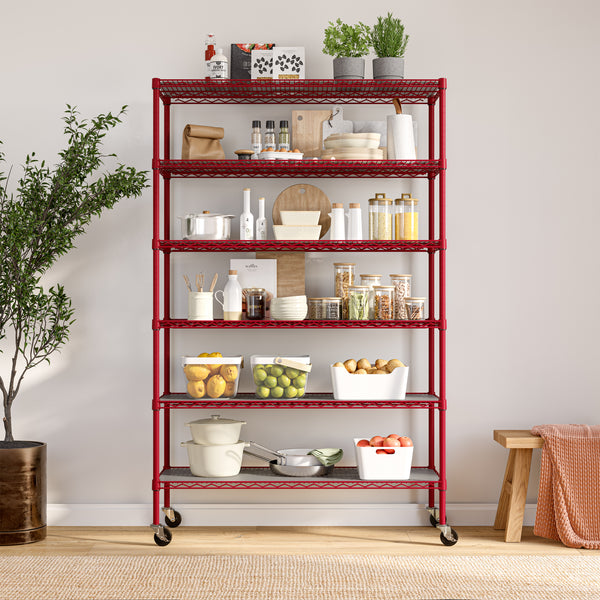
[(511, 505)]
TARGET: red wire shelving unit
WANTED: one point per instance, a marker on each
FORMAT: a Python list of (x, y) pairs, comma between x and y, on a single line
[(167, 92)]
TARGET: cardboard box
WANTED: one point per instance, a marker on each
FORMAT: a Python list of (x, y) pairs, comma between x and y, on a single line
[(288, 62), (262, 64), (241, 59)]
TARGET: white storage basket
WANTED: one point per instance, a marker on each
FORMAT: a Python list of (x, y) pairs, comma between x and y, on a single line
[(386, 467), (348, 386)]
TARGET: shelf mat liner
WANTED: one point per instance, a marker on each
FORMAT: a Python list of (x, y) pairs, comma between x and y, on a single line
[(568, 508)]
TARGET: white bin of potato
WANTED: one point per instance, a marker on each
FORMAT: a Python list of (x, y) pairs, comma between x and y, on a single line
[(350, 386)]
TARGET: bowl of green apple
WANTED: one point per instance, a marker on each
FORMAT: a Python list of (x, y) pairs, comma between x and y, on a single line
[(280, 377)]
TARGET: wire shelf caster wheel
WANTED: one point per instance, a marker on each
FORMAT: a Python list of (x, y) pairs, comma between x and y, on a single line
[(172, 517), (434, 522), (434, 516), (449, 540), (162, 535)]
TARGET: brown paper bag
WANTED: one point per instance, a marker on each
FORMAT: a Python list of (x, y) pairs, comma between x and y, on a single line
[(201, 142)]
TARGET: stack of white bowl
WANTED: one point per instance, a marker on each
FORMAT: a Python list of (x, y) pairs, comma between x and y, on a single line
[(216, 449), (292, 308)]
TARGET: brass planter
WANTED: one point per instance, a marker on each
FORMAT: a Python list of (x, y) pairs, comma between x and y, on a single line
[(22, 492)]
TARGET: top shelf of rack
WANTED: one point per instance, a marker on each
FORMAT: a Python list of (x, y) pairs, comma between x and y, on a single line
[(298, 91)]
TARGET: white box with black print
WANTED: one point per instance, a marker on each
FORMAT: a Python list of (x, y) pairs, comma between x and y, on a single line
[(288, 62)]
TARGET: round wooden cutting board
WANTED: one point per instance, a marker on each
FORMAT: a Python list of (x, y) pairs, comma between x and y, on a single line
[(303, 196)]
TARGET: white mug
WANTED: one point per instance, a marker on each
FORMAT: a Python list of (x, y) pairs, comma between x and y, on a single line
[(200, 306)]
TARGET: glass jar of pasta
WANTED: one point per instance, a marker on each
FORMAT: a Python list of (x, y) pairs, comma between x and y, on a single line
[(415, 308), (344, 277), (384, 302), (402, 286)]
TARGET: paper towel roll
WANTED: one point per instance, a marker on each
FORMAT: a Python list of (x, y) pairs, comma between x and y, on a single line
[(400, 138)]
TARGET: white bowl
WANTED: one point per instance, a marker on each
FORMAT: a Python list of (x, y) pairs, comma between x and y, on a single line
[(294, 315), (360, 143), (300, 217), (296, 232), (279, 299)]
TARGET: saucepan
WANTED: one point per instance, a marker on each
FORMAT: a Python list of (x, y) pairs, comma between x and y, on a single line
[(206, 226), (291, 462)]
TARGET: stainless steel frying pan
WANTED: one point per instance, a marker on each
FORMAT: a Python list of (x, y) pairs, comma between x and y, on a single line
[(291, 462)]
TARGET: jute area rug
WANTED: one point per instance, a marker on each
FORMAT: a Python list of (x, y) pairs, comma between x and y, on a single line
[(300, 577)]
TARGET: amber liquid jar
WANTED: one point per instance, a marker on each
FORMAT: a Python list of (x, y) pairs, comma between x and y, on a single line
[(256, 303)]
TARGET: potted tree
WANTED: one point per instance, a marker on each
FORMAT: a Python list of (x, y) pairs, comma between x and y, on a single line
[(348, 44), (389, 42), (38, 224)]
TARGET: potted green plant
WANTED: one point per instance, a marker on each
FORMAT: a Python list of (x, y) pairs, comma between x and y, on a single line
[(348, 44), (39, 221), (389, 42)]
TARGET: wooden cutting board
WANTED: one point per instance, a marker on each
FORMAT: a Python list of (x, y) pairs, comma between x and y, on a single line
[(303, 196), (290, 272), (307, 131)]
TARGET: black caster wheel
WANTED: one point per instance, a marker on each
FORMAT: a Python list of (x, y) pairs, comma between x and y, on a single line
[(176, 522), (433, 521), (448, 542), (168, 537)]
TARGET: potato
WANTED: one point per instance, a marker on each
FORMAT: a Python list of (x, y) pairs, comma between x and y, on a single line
[(359, 372), (371, 370), (380, 363), (389, 368), (363, 363), (396, 363), (350, 365), (379, 372), (338, 364)]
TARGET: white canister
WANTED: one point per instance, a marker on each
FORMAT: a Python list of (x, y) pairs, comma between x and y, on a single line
[(400, 137), (200, 306), (337, 231), (355, 222)]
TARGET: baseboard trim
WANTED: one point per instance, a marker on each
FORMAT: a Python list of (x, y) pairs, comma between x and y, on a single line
[(251, 515)]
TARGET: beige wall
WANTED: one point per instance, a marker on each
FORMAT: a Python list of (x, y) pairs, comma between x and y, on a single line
[(522, 217)]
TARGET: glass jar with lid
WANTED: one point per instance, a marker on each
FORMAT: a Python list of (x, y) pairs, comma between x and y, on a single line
[(415, 308), (370, 280), (344, 277), (402, 285), (384, 302), (406, 218), (256, 303), (358, 302), (329, 309), (380, 218)]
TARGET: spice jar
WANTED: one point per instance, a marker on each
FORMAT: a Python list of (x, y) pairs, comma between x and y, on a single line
[(284, 136), (401, 285), (406, 218), (256, 303), (370, 281), (358, 302), (329, 309), (415, 308), (384, 302), (344, 277), (380, 218)]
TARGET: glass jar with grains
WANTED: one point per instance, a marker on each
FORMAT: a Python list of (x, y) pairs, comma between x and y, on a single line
[(370, 280), (358, 302), (406, 218), (380, 218), (415, 308), (384, 302), (344, 277), (401, 285)]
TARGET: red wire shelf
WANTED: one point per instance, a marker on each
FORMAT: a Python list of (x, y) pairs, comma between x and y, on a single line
[(309, 401), (421, 478), (299, 168), (305, 245), (305, 324), (300, 91)]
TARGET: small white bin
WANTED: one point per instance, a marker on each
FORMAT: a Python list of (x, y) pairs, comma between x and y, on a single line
[(387, 467), (348, 386)]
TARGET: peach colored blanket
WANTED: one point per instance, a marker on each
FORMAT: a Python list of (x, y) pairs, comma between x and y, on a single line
[(568, 506)]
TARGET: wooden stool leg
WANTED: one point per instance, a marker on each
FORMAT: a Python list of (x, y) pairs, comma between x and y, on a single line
[(518, 496), (504, 501)]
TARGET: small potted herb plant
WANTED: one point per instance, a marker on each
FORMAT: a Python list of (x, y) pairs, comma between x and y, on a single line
[(348, 44), (389, 42)]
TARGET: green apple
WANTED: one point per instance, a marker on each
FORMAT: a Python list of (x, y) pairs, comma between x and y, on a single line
[(270, 381), (260, 374), (276, 371), (300, 392), (277, 392), (283, 381), (262, 391), (292, 373), (291, 392), (300, 381)]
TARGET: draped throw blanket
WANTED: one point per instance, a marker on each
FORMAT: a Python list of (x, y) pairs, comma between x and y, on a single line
[(568, 506)]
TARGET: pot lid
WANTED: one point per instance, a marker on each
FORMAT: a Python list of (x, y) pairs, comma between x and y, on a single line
[(215, 419)]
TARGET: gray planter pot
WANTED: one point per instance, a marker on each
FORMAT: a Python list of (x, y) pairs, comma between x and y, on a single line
[(388, 67), (348, 68)]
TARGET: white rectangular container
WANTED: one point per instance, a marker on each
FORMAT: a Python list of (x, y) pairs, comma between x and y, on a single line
[(386, 467), (347, 386)]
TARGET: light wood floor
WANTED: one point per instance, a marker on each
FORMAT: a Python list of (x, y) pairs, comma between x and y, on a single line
[(84, 541)]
